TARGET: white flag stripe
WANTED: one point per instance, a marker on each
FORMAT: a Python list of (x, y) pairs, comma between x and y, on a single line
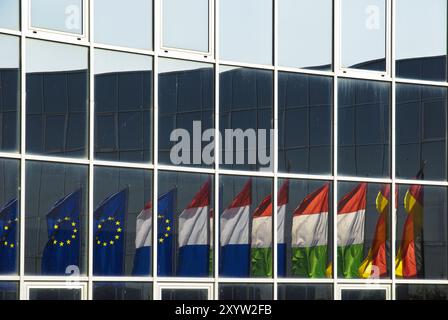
[(310, 230), (235, 226), (351, 228), (193, 226), (281, 224), (261, 232), (143, 236)]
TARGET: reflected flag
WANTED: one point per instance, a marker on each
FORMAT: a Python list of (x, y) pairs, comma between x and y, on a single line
[(377, 255), (235, 248), (310, 235), (282, 201), (165, 224), (63, 246), (143, 242), (8, 237), (351, 221), (109, 231), (194, 242)]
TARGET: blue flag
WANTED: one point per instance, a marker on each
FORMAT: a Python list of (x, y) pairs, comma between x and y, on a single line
[(109, 231), (165, 220), (63, 246), (8, 237)]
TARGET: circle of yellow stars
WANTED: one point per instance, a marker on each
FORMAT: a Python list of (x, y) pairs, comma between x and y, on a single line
[(115, 237), (165, 230), (4, 242), (72, 226)]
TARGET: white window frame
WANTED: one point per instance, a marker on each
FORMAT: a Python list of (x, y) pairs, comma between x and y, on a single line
[(56, 285), (55, 34), (183, 286), (371, 287), (187, 53)]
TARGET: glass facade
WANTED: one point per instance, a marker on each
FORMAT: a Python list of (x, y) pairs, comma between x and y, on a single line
[(231, 149)]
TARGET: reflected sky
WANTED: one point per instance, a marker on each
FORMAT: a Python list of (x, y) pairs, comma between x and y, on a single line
[(59, 15), (9, 14), (10, 52)]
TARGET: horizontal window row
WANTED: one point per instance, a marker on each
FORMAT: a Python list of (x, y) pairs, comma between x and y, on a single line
[(305, 30), (56, 220)]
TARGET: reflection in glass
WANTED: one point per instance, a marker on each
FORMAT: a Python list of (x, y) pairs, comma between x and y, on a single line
[(305, 34), (245, 291), (123, 106), (246, 103), (363, 294), (122, 291), (186, 103), (9, 14), (363, 124), (421, 113), (9, 92), (185, 24), (246, 31), (305, 120), (9, 216), (125, 24), (245, 227), (184, 294), (9, 291), (185, 225), (54, 294), (363, 230), (56, 218), (58, 15), (421, 232), (421, 292), (56, 99), (363, 34), (305, 292), (304, 227), (422, 55), (122, 222)]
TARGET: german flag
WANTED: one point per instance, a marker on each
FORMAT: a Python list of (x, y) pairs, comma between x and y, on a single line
[(409, 260), (377, 255)]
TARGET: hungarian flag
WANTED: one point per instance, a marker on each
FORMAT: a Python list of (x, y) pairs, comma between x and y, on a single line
[(377, 255), (409, 259), (351, 220), (309, 235), (194, 236), (282, 201), (235, 248)]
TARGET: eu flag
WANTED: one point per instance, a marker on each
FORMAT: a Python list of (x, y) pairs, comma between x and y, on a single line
[(8, 237), (109, 230), (63, 246), (165, 221)]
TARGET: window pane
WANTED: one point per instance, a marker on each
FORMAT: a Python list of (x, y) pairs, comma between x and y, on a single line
[(422, 55), (304, 229), (123, 106), (185, 24), (245, 227), (363, 34), (363, 230), (122, 222), (363, 122), (58, 15), (421, 113), (124, 23), (184, 294), (57, 99), (245, 291), (9, 93), (422, 250), (9, 14), (305, 122), (246, 103), (353, 294), (422, 292), (9, 217), (186, 108), (56, 218), (246, 30), (122, 291), (305, 292), (9, 291), (54, 294), (305, 34), (185, 225)]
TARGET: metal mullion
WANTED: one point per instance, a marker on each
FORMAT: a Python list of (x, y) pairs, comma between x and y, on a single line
[(305, 71), (217, 213), (185, 169), (246, 65), (10, 32), (122, 49), (394, 210), (262, 174), (123, 164)]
